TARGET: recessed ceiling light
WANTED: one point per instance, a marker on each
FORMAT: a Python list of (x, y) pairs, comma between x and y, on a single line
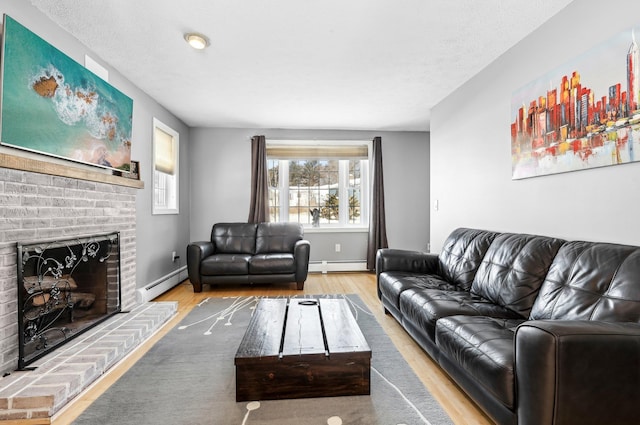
[(197, 41)]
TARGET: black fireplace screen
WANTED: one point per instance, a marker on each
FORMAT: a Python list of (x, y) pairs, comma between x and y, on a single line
[(65, 287)]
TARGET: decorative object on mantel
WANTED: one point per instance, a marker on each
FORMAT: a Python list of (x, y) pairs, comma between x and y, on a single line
[(54, 106), (134, 171), (580, 115)]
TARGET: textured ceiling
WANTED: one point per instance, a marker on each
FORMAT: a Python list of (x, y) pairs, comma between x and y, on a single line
[(333, 64)]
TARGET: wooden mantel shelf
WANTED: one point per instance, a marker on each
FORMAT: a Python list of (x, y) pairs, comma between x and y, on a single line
[(43, 167)]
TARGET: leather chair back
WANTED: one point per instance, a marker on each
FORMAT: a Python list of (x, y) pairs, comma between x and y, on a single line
[(278, 237), (234, 238)]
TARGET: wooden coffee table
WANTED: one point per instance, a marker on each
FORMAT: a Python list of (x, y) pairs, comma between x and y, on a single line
[(301, 347)]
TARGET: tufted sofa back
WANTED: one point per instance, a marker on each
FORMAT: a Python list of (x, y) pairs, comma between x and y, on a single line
[(278, 237), (462, 254), (234, 238), (591, 281), (513, 270)]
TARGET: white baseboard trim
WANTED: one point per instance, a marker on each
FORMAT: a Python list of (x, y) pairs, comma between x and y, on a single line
[(337, 266), (162, 285)]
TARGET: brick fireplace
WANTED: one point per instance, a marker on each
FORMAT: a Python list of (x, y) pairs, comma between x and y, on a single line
[(44, 201), (39, 207)]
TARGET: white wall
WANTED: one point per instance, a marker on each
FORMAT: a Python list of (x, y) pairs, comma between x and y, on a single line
[(471, 156), (220, 161), (157, 236)]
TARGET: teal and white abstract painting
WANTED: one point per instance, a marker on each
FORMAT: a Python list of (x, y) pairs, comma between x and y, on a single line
[(53, 105)]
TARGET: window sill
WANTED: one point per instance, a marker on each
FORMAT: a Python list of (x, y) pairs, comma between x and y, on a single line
[(327, 229), (158, 211)]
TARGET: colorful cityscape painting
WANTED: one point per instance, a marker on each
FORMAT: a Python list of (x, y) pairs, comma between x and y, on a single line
[(582, 115), (55, 106)]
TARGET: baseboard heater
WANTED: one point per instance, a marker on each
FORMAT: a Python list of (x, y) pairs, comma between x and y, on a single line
[(162, 285), (337, 266)]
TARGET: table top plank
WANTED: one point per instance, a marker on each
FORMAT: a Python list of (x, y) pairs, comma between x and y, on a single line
[(303, 332), (264, 333), (341, 328)]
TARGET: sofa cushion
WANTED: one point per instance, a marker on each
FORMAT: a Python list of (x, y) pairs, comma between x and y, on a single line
[(392, 284), (591, 281), (225, 264), (462, 254), (234, 238), (513, 270), (424, 307), (277, 237), (272, 263), (483, 347)]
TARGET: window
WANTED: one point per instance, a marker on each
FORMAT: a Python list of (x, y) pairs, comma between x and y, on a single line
[(330, 176), (166, 144)]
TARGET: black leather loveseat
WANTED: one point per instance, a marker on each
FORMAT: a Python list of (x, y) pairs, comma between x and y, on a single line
[(250, 253), (536, 330)]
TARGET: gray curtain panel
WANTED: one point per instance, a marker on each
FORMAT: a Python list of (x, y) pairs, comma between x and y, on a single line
[(377, 220), (259, 207)]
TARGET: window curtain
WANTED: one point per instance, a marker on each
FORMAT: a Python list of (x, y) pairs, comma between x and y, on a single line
[(259, 207), (377, 221)]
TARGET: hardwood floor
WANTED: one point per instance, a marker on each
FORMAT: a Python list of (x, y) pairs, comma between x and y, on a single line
[(459, 407)]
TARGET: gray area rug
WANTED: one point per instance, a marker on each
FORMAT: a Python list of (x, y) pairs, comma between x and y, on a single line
[(188, 377)]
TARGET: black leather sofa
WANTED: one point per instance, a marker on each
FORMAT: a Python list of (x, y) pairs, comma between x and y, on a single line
[(250, 253), (536, 330)]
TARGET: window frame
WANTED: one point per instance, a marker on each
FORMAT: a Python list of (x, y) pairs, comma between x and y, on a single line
[(343, 184), (172, 182)]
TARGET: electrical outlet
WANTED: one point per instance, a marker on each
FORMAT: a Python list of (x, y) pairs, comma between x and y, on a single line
[(338, 247)]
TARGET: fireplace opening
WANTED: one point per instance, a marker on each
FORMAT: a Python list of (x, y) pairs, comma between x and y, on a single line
[(65, 287)]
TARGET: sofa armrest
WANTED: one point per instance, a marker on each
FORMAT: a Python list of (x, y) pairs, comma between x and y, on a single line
[(301, 251), (402, 260), (570, 372), (196, 252), (389, 259)]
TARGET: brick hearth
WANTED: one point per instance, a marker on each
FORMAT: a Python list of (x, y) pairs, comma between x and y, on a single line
[(66, 372)]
